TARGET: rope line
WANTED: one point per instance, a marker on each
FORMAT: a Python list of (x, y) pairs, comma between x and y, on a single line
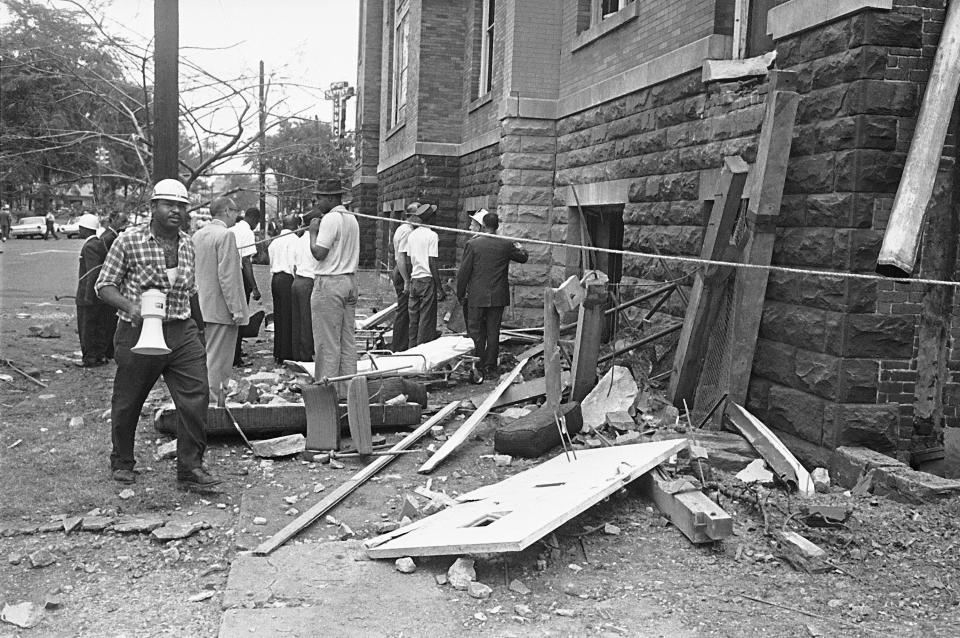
[(699, 261)]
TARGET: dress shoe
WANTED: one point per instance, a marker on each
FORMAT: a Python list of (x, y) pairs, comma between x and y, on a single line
[(128, 477), (197, 479), (476, 376)]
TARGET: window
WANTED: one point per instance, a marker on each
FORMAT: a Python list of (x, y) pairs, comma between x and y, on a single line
[(401, 41), (486, 47), (603, 9)]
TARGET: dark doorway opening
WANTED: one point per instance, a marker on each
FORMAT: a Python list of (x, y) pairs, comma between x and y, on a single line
[(600, 227)]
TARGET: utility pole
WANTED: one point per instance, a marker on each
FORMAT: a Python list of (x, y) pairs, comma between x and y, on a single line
[(166, 137), (262, 145)]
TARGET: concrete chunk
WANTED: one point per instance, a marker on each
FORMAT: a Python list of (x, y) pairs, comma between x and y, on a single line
[(848, 464)]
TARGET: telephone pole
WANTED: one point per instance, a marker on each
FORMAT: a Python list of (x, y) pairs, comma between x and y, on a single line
[(166, 136), (262, 139)]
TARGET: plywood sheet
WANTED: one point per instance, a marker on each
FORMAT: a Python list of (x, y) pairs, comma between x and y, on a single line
[(513, 514)]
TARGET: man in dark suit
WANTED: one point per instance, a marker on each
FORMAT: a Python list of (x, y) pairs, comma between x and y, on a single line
[(482, 285)]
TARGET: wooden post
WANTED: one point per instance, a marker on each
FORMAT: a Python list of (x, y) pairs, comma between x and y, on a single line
[(586, 349), (166, 134), (692, 345), (898, 253), (770, 170)]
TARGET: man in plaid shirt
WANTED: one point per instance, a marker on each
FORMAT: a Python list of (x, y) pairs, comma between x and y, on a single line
[(157, 255)]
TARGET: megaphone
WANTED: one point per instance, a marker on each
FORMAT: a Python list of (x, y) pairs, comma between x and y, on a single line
[(153, 308)]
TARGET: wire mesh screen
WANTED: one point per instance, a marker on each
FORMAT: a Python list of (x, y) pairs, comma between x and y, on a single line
[(714, 378)]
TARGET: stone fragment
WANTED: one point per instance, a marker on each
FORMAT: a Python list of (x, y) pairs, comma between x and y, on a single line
[(76, 422), (574, 567), (54, 526), (438, 432), (337, 465), (42, 558), (171, 554), (756, 472), (441, 579), (620, 420), (126, 494), (821, 480), (566, 613), (137, 525), (615, 392), (611, 529), (71, 523), (502, 460), (46, 331), (518, 587), (386, 526), (405, 565), (403, 522), (259, 520), (25, 615), (53, 600), (318, 487), (175, 530), (409, 508), (262, 377), (571, 588), (167, 450), (479, 590), (627, 438), (523, 610), (15, 557), (95, 523), (204, 595), (461, 573), (293, 511)]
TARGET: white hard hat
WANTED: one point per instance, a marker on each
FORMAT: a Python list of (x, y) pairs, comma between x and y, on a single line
[(88, 221), (479, 215), (170, 190)]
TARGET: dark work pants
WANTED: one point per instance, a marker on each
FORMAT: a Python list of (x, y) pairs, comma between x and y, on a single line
[(483, 326), (302, 319), (281, 289), (401, 321), (96, 325), (422, 311), (185, 372)]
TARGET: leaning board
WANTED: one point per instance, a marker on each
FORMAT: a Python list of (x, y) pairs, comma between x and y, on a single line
[(513, 514)]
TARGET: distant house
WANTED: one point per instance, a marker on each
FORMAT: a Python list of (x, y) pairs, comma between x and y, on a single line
[(540, 108)]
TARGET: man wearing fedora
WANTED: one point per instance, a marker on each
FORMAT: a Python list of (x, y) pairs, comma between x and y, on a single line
[(335, 244)]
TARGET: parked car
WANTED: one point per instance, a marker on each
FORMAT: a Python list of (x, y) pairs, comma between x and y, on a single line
[(70, 229), (29, 227)]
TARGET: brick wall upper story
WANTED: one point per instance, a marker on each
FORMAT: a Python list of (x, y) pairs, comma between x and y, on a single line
[(439, 96), (368, 82), (656, 29)]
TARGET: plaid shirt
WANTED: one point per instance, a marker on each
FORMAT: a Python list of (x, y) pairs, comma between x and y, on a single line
[(135, 263)]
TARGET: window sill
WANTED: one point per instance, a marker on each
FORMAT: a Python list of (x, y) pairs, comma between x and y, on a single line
[(602, 28), (393, 131), (486, 98)]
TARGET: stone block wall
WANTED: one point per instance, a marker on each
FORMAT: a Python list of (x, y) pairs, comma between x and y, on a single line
[(365, 202)]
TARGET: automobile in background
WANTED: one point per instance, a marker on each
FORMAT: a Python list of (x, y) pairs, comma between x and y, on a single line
[(70, 229), (29, 227)]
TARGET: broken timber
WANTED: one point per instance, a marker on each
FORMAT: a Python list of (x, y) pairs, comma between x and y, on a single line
[(513, 514), (784, 464), (697, 323), (358, 479), (587, 346), (750, 284), (472, 422), (700, 519)]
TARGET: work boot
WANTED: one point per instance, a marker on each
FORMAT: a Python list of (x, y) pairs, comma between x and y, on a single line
[(476, 375), (197, 479), (127, 477)]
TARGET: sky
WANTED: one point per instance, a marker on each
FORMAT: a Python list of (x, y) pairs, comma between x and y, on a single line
[(306, 42)]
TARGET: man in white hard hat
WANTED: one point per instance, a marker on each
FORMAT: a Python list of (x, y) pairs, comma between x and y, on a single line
[(158, 255), (221, 297)]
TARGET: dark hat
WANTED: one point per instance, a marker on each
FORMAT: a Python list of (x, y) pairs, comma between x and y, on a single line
[(329, 187)]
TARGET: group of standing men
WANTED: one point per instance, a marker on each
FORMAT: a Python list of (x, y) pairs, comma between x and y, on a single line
[(482, 284)]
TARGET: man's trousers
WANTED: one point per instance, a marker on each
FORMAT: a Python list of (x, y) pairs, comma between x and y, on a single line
[(221, 339), (423, 311), (334, 309), (401, 320), (281, 290), (96, 325), (301, 318), (483, 326)]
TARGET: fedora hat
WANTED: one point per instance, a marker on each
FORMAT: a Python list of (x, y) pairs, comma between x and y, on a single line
[(479, 215), (328, 187)]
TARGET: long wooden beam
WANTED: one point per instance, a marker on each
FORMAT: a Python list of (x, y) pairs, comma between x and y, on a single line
[(472, 422), (898, 253), (329, 502), (771, 448), (700, 519)]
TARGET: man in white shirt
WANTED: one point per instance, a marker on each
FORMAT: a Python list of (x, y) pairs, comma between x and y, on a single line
[(246, 245), (282, 252), (401, 276), (335, 243), (424, 288)]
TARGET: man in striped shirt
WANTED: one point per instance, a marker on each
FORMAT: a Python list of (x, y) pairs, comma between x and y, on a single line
[(157, 255)]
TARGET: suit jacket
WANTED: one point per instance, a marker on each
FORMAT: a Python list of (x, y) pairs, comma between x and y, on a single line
[(92, 255), (218, 274), (482, 276)]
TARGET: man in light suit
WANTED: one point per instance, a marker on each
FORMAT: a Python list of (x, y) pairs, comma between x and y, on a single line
[(220, 285)]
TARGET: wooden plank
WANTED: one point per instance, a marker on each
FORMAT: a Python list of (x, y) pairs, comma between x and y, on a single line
[(898, 253), (551, 352), (750, 286), (472, 422), (692, 345), (513, 514), (522, 392), (323, 417), (586, 348), (774, 452), (378, 317), (700, 519), (358, 415), (329, 502)]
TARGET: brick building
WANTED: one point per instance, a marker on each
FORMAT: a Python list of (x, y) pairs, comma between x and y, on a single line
[(529, 107)]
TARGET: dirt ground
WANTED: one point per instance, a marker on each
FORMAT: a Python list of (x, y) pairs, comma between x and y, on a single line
[(894, 565)]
